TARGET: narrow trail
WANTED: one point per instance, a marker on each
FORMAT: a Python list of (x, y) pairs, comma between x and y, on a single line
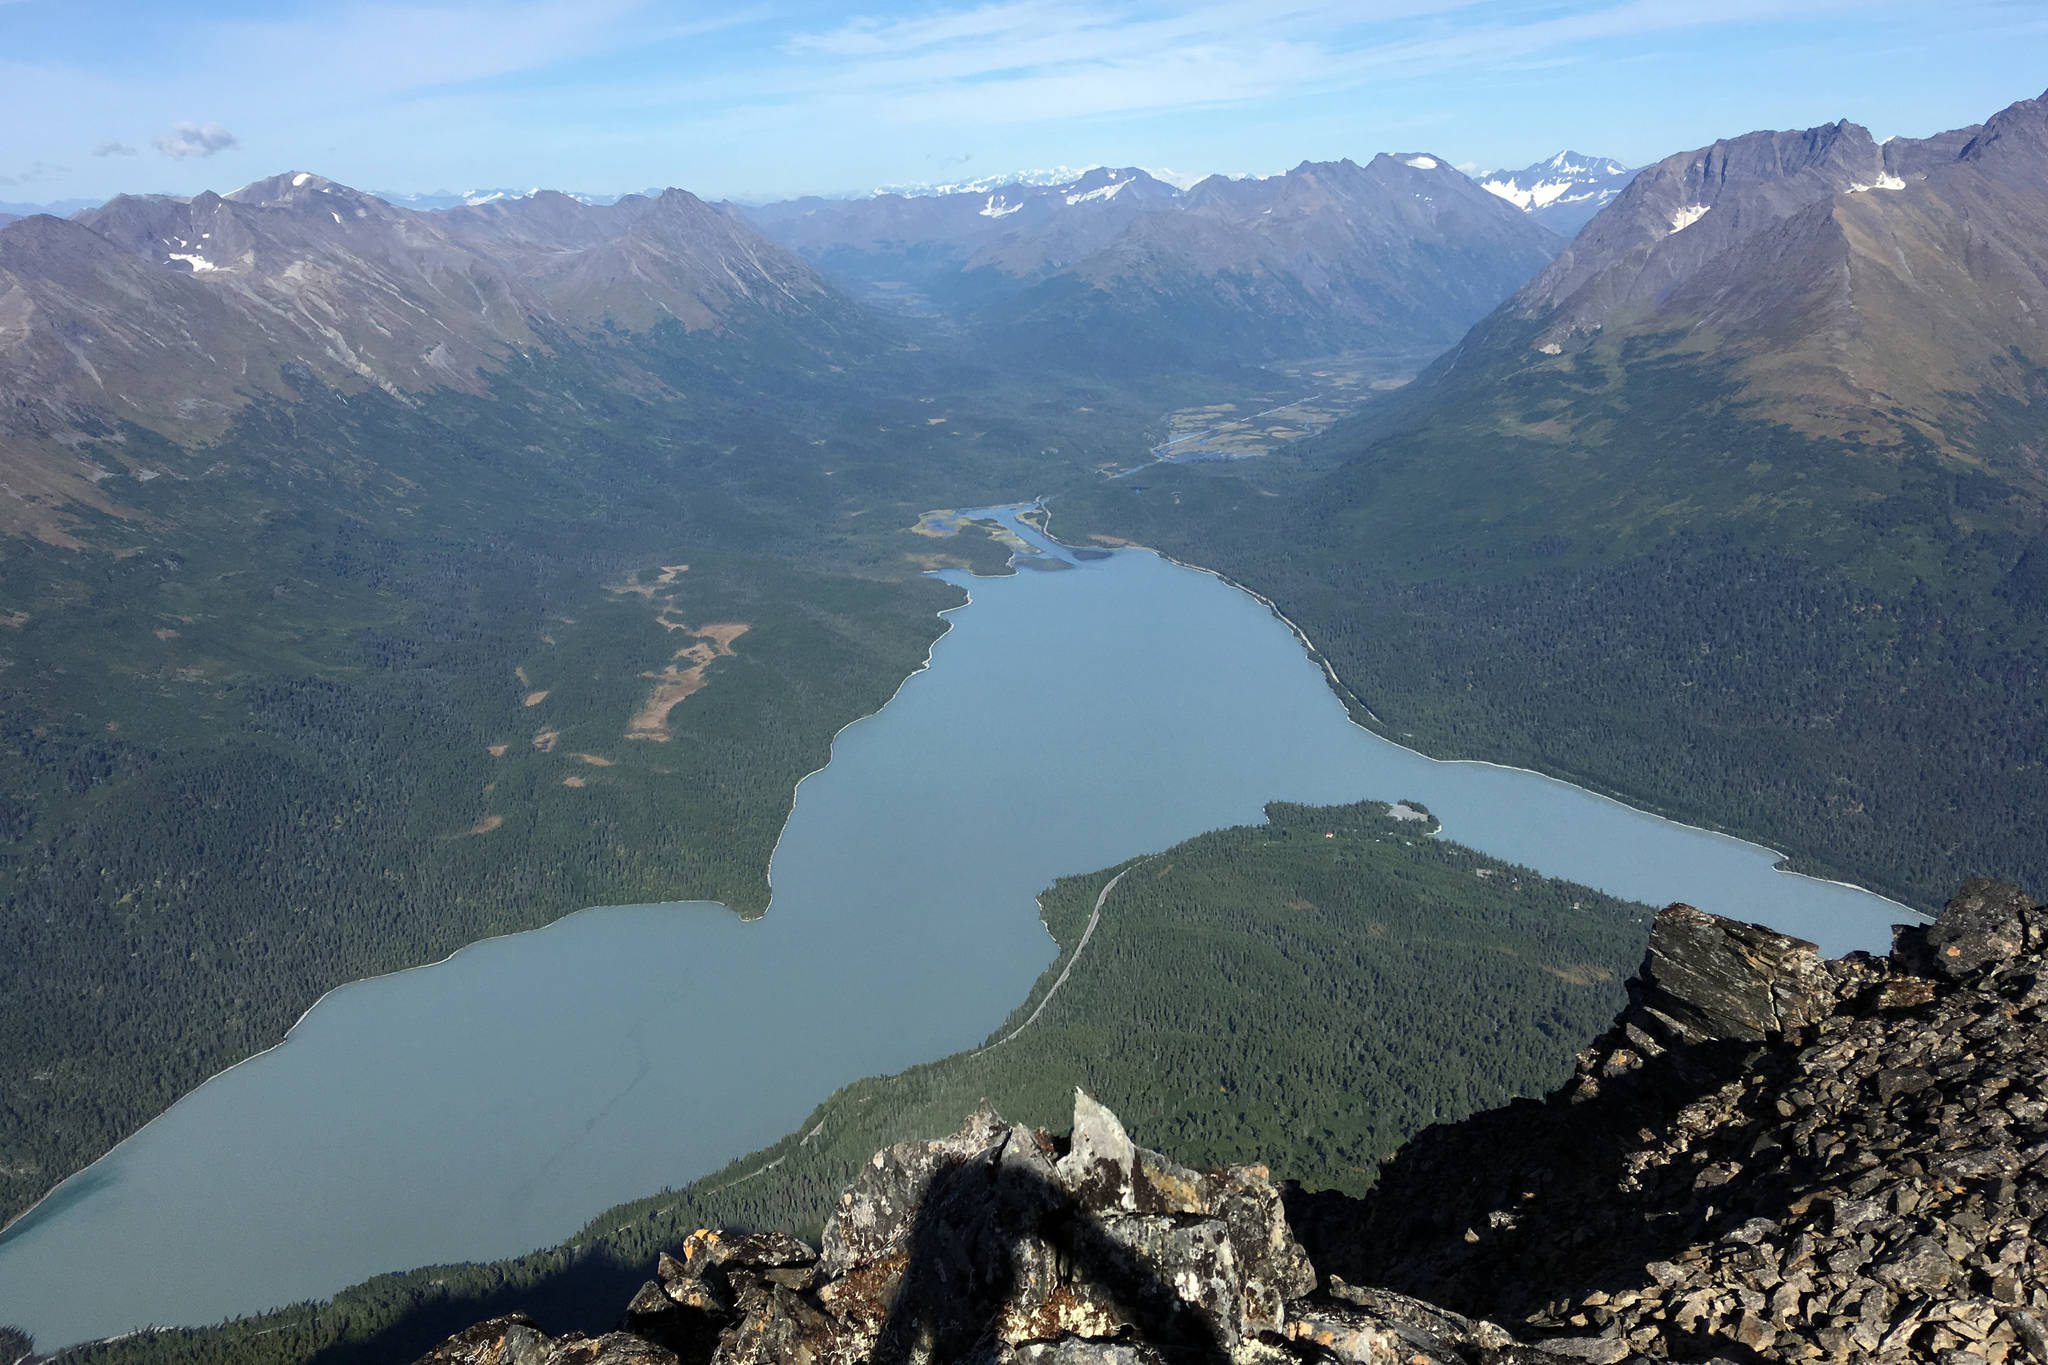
[(1088, 932), (1094, 918), (1158, 452)]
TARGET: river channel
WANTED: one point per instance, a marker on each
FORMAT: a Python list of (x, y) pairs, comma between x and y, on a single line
[(1071, 717)]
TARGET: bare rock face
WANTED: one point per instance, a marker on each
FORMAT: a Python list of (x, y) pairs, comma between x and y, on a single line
[(995, 1240), (1768, 1157), (1709, 978)]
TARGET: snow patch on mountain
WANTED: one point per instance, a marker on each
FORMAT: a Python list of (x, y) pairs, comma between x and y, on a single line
[(1104, 192), (1885, 181), (1683, 218), (1421, 163), (1537, 195), (1043, 178), (1000, 207), (449, 199)]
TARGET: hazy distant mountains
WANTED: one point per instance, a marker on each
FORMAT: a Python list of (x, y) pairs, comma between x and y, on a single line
[(1565, 191), (913, 249), (175, 314), (1118, 267), (59, 207)]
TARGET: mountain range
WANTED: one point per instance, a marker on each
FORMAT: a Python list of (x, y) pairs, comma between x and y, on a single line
[(1734, 508), (1888, 295), (1397, 256), (451, 199), (175, 314)]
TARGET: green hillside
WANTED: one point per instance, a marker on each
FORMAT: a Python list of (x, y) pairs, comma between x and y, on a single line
[(1634, 581)]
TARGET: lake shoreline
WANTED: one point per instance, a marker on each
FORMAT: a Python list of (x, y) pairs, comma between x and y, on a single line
[(1082, 719), (1345, 694)]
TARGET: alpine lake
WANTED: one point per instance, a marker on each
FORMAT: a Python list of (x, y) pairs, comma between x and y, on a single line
[(1092, 706)]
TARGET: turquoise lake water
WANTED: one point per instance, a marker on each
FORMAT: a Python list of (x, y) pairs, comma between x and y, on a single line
[(494, 1102)]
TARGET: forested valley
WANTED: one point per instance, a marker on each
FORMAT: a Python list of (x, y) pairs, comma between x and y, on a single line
[(342, 711)]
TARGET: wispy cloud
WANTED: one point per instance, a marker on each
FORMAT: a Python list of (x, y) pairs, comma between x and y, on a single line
[(195, 139), (364, 52), (753, 94), (37, 172), (1008, 62)]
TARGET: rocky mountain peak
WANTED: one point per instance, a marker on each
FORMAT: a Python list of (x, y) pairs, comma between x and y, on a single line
[(1109, 182), (2013, 143), (1678, 214), (1579, 161), (285, 188), (1770, 1156)]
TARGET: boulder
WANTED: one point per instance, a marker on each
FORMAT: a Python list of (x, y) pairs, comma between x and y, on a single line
[(1986, 924), (1709, 979)]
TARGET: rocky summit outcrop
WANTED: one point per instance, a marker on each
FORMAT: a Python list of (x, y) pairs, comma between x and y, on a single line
[(1769, 1157)]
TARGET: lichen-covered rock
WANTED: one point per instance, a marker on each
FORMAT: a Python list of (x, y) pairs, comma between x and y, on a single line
[(1985, 924), (995, 1238), (514, 1340), (998, 1245), (875, 1213)]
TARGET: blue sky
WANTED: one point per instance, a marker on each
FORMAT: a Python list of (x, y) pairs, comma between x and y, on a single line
[(782, 97)]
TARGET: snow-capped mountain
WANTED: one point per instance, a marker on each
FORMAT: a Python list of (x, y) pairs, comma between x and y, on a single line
[(450, 199), (1016, 227), (1039, 179), (1564, 192), (1401, 254), (922, 189)]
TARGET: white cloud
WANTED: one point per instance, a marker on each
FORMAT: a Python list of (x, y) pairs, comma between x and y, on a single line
[(194, 139), (113, 147)]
